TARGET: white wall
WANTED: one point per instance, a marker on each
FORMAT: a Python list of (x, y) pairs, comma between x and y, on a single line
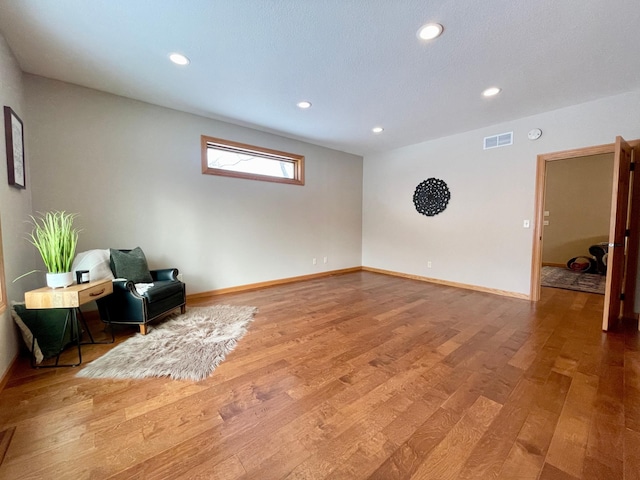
[(479, 239), (15, 206), (132, 171)]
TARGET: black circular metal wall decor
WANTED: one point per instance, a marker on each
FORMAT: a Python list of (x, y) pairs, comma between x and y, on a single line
[(431, 197)]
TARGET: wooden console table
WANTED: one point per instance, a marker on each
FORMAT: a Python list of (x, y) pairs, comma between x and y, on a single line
[(71, 298)]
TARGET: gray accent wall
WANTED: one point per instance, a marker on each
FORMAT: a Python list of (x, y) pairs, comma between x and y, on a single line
[(15, 206), (133, 173)]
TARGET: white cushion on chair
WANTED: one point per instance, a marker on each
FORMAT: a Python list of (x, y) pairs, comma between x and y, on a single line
[(96, 261)]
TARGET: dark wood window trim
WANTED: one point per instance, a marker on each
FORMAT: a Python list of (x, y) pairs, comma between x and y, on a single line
[(296, 160)]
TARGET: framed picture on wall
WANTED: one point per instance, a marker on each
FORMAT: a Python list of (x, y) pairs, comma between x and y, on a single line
[(14, 136)]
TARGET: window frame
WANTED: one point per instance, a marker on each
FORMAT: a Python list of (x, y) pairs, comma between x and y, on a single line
[(295, 159)]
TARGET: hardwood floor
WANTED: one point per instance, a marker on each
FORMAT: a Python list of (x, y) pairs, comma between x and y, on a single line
[(351, 377)]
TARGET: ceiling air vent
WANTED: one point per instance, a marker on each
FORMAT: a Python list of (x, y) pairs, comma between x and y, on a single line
[(500, 140)]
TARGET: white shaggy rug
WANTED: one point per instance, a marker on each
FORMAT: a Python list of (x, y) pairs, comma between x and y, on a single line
[(183, 347)]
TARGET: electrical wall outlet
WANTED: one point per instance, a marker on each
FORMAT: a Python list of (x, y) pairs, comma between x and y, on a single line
[(325, 259), (429, 264), (314, 261), (180, 277)]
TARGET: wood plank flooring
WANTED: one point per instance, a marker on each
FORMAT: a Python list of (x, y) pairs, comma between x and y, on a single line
[(356, 376)]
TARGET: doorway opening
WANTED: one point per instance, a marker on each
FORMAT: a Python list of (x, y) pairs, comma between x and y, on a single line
[(624, 226), (576, 220)]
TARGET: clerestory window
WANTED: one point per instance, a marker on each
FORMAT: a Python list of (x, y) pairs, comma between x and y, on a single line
[(232, 159)]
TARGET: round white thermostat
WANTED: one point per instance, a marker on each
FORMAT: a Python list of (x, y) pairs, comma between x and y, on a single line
[(534, 134)]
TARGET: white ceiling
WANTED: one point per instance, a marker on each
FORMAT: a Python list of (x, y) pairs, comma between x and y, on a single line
[(358, 61)]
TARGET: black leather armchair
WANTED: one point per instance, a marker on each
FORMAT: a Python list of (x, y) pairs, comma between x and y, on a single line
[(126, 306)]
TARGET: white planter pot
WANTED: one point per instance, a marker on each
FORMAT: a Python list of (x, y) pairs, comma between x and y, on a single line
[(59, 280)]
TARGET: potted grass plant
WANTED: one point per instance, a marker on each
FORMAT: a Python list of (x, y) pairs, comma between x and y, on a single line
[(56, 239)]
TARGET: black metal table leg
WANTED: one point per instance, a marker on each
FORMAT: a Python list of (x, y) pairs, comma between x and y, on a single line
[(86, 326)]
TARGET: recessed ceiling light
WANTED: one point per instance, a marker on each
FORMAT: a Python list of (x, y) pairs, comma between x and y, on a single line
[(179, 59), (377, 129), (490, 92), (430, 31), (304, 104)]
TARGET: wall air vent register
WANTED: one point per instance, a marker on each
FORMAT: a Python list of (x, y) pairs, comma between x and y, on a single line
[(500, 140)]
